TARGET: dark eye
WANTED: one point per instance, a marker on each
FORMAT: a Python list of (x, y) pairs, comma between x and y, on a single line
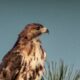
[(37, 28)]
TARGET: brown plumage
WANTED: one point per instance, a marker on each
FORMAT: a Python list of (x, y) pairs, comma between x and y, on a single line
[(25, 61)]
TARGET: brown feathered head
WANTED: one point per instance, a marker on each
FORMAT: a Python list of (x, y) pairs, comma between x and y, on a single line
[(33, 30)]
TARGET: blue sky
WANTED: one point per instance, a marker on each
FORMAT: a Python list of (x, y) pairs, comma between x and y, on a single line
[(61, 17)]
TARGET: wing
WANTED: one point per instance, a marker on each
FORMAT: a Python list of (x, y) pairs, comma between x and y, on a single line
[(10, 66)]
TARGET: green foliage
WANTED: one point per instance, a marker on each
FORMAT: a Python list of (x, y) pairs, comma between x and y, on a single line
[(60, 71)]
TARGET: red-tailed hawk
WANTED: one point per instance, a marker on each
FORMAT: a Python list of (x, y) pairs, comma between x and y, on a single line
[(25, 61)]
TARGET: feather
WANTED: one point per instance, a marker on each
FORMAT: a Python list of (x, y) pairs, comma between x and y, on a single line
[(25, 61)]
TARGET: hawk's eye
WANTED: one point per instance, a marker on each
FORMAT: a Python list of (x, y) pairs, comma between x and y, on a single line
[(37, 28)]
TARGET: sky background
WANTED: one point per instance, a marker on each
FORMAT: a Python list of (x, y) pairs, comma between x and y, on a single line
[(61, 17)]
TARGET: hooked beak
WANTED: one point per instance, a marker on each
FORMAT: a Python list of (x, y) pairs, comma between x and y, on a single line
[(47, 31), (44, 30)]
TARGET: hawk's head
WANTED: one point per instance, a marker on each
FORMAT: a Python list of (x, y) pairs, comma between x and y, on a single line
[(33, 30)]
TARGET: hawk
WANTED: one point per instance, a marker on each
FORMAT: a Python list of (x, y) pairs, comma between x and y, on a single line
[(25, 61)]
